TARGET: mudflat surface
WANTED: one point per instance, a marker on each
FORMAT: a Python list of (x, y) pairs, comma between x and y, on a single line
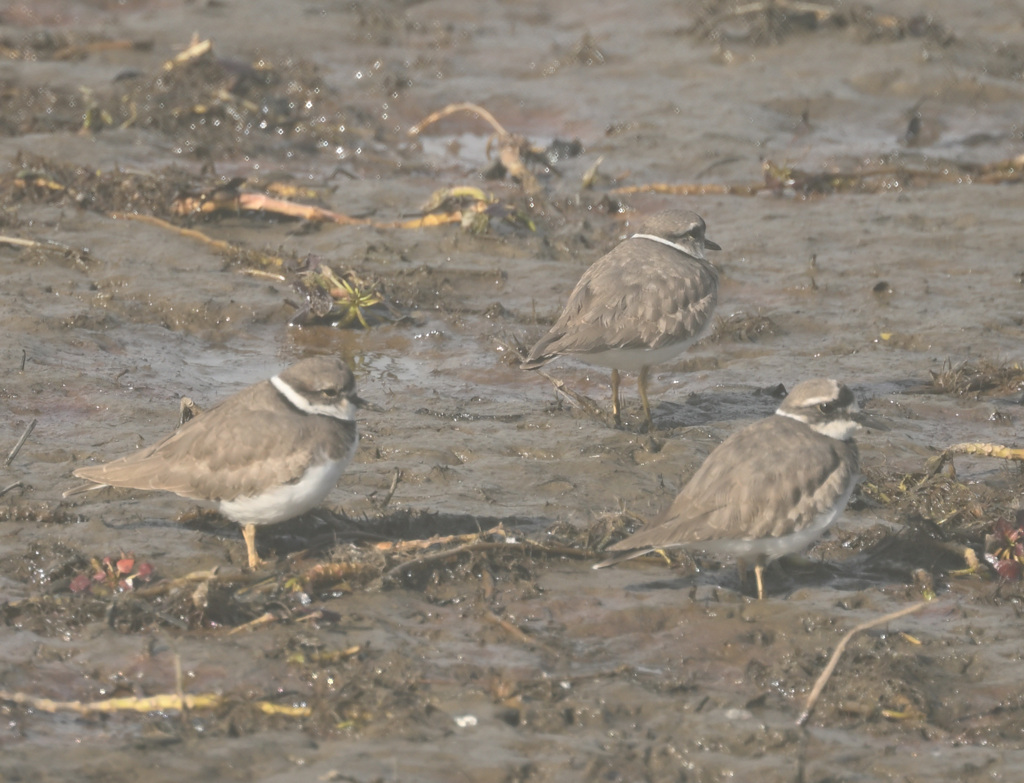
[(855, 162)]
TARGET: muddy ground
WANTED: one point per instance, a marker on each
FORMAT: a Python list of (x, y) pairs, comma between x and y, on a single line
[(857, 164)]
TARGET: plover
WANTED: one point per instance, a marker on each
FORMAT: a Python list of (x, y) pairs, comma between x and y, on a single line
[(266, 454), (770, 489), (641, 304)]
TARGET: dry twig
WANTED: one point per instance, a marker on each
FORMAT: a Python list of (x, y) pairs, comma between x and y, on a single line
[(391, 490), (49, 244), (823, 678), (513, 149), (193, 51), (977, 449), (472, 542), (158, 703), (21, 442), (391, 547), (452, 108), (9, 487), (226, 199)]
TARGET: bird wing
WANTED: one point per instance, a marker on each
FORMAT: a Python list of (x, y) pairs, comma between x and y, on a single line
[(627, 302), (727, 497), (211, 457)]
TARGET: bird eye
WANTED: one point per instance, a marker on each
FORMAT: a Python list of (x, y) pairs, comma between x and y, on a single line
[(827, 407), (692, 233), (332, 392)]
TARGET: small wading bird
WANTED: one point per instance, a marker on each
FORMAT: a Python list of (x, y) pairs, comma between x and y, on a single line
[(267, 454), (641, 304), (770, 489)]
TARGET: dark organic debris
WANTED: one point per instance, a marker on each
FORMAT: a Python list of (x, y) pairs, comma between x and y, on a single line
[(52, 45), (563, 149), (46, 180), (744, 328), (772, 21), (978, 378), (212, 106), (938, 508), (883, 177), (935, 503), (392, 551)]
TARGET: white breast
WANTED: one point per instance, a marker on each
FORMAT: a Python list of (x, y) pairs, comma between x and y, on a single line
[(287, 500)]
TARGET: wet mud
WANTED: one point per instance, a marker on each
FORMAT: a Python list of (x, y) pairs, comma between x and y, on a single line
[(438, 618)]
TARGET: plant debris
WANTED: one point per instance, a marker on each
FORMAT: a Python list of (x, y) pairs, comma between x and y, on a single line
[(770, 22), (1004, 548), (340, 300), (110, 575), (744, 328), (937, 506), (514, 151), (229, 198), (975, 379)]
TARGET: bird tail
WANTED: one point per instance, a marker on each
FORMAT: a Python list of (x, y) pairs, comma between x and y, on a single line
[(620, 557), (82, 489), (533, 363)]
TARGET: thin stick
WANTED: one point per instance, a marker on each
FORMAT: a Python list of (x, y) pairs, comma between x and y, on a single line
[(259, 202), (21, 442), (426, 543), (395, 571), (49, 244), (823, 678), (159, 703), (692, 189), (451, 108), (266, 275), (191, 233), (525, 545), (263, 619), (518, 633), (821, 12), (193, 51), (9, 487), (179, 690), (391, 491), (18, 241), (165, 701)]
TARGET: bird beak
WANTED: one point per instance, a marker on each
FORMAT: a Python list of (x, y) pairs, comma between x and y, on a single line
[(359, 402), (711, 245), (870, 421)]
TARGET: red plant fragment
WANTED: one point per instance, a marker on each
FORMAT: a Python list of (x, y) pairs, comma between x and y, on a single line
[(1010, 570)]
